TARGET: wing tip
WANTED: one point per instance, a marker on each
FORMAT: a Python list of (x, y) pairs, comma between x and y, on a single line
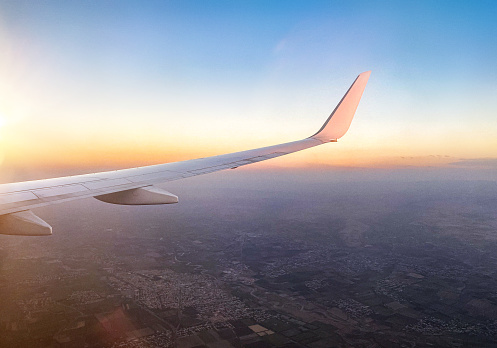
[(365, 75), (335, 128)]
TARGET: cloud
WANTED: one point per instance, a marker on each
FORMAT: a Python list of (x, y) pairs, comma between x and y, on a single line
[(280, 46), (477, 162)]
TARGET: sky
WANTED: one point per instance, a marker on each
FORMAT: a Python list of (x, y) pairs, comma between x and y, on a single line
[(114, 84)]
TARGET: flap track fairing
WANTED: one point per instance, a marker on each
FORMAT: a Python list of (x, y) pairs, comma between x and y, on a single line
[(24, 223), (148, 195)]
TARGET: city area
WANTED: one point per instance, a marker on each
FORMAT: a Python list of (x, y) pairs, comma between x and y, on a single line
[(346, 264)]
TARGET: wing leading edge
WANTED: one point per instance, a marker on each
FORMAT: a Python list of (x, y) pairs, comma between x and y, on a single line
[(134, 186)]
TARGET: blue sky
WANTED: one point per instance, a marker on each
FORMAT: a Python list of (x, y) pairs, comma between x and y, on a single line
[(131, 82)]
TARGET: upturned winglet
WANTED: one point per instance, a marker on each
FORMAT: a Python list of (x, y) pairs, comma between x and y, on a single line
[(340, 119)]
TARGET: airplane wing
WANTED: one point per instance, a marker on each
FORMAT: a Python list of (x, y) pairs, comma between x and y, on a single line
[(134, 186)]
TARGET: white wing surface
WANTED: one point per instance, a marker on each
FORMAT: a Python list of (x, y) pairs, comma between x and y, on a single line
[(134, 186)]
